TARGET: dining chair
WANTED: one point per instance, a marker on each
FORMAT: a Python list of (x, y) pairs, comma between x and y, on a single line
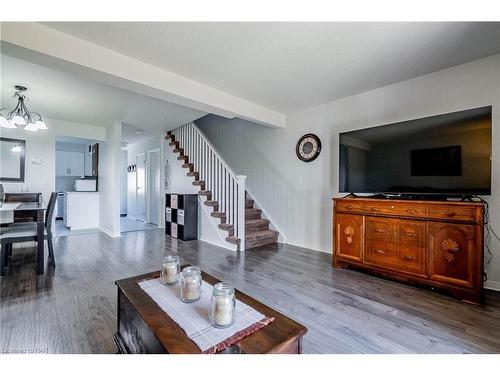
[(25, 232)]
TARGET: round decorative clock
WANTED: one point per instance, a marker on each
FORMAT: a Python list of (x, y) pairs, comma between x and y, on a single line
[(308, 147)]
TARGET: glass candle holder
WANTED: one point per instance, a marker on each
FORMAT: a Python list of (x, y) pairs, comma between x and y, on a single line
[(170, 270), (222, 311), (190, 284)]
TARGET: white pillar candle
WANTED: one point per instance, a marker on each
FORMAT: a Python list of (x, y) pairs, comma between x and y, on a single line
[(169, 274), (191, 289), (223, 314)]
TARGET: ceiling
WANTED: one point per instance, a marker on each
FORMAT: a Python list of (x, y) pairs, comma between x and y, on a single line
[(290, 66), (59, 95)]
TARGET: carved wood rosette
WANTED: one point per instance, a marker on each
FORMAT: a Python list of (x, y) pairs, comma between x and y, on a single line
[(449, 247), (349, 233)]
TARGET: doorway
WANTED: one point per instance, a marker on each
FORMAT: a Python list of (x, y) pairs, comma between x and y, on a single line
[(140, 187), (153, 186)]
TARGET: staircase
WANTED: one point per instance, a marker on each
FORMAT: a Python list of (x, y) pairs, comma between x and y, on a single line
[(222, 189)]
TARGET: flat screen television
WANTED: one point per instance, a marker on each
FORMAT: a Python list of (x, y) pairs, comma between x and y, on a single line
[(448, 154)]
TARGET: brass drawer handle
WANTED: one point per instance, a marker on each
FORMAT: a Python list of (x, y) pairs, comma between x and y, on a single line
[(375, 209), (408, 257), (349, 207), (411, 211), (410, 234), (379, 230), (378, 251)]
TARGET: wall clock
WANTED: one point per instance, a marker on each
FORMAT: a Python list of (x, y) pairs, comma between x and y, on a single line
[(308, 147)]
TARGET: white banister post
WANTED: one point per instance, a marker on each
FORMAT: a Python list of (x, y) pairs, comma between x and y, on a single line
[(241, 211)]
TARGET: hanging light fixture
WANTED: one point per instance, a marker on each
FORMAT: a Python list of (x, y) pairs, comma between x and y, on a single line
[(20, 116)]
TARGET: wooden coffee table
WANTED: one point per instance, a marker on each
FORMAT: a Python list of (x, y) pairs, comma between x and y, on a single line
[(143, 327)]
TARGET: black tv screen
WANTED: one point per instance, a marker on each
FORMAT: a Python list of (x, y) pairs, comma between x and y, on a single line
[(447, 154)]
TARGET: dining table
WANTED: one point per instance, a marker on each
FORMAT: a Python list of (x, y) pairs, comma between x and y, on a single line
[(7, 211)]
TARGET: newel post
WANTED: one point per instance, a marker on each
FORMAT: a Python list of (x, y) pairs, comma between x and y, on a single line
[(241, 211)]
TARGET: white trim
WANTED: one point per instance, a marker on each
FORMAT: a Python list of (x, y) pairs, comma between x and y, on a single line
[(492, 285), (113, 235)]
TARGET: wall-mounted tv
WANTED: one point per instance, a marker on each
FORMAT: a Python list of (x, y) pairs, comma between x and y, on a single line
[(448, 154)]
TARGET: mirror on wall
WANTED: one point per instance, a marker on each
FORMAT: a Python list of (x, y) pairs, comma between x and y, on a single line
[(12, 153)]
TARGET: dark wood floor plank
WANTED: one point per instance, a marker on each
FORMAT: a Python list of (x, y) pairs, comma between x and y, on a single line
[(345, 311)]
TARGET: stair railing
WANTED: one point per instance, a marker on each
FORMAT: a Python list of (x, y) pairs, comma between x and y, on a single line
[(227, 188)]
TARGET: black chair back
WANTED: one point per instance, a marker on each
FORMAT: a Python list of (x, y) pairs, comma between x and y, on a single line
[(49, 214)]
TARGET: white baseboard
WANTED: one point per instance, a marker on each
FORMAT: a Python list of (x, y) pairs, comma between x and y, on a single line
[(228, 247), (111, 234), (492, 285)]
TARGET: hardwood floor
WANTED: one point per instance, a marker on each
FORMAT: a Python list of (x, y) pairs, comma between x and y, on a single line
[(72, 309)]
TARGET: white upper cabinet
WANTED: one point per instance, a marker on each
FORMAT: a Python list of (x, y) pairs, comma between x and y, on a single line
[(70, 163), (61, 163)]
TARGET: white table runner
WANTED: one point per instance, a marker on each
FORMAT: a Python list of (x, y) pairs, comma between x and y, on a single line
[(193, 317)]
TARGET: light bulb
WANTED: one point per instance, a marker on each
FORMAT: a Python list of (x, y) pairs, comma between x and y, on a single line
[(31, 127), (18, 120), (4, 123), (40, 124), (16, 148)]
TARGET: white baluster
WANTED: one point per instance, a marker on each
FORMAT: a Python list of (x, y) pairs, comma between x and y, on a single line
[(241, 210)]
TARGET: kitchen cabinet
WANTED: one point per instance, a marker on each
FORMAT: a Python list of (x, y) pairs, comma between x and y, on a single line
[(70, 163)]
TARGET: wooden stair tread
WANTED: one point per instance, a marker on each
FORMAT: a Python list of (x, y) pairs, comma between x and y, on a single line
[(182, 157), (193, 174), (212, 203), (178, 150), (261, 238), (218, 214), (225, 226), (255, 225), (261, 234), (233, 240), (198, 183), (253, 213), (205, 192)]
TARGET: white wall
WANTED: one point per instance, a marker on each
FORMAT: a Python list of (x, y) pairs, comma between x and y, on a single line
[(40, 148), (110, 180), (298, 195)]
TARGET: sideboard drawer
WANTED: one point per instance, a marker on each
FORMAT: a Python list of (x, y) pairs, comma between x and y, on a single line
[(396, 209), (452, 213), (349, 207)]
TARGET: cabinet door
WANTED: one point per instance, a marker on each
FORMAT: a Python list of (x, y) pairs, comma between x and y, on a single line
[(61, 163), (452, 255), (349, 237), (76, 163)]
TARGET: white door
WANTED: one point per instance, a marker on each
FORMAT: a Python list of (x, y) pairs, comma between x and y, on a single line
[(140, 182), (154, 186)]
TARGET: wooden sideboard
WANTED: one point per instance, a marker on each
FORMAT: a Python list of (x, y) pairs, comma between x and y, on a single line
[(435, 243)]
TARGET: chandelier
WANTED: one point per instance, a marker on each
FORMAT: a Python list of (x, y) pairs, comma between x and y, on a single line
[(20, 116)]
